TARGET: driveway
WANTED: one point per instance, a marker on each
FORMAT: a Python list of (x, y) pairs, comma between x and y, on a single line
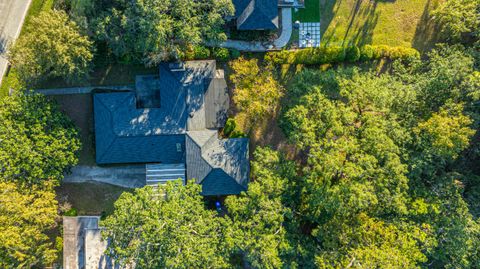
[(12, 15), (127, 176)]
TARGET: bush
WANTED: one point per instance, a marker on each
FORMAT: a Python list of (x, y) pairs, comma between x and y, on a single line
[(234, 53), (221, 54), (72, 212), (336, 54), (352, 54), (196, 53), (366, 53), (230, 126)]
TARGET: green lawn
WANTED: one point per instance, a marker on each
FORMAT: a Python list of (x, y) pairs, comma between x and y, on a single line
[(311, 12), (387, 22)]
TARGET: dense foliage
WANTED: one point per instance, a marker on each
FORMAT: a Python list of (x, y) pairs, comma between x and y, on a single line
[(157, 30), (25, 217), (168, 227), (459, 19), (337, 54), (257, 92), (52, 47), (38, 142)]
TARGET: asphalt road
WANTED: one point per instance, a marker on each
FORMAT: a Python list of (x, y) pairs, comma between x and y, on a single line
[(12, 14)]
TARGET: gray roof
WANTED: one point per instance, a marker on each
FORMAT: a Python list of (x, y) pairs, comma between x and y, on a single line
[(125, 133), (256, 14), (169, 119), (220, 165)]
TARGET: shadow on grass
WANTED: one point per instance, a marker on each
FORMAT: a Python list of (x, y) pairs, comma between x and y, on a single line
[(427, 31), (354, 33)]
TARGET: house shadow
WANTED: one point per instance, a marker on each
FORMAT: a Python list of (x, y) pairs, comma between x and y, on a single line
[(427, 33)]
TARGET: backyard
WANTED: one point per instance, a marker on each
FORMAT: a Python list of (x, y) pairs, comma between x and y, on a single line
[(380, 22)]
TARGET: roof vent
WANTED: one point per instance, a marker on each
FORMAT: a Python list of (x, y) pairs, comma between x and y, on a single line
[(176, 66)]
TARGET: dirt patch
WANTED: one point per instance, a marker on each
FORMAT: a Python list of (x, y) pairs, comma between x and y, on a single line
[(90, 198), (80, 109)]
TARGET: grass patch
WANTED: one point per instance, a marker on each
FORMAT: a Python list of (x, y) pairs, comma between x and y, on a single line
[(394, 23), (311, 12), (90, 198)]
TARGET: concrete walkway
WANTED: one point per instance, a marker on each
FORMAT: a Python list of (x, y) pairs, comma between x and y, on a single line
[(82, 90), (127, 176), (255, 46), (12, 15)]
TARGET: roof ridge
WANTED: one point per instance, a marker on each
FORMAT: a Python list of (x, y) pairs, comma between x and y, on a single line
[(114, 134)]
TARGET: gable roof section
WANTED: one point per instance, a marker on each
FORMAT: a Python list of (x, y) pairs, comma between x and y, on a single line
[(220, 165), (257, 14)]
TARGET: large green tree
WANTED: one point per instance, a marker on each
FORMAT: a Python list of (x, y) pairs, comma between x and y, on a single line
[(38, 142), (52, 46), (257, 93), (168, 227), (25, 217), (458, 18), (156, 30), (259, 215)]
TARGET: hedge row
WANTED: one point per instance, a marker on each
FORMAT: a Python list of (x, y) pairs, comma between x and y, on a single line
[(337, 54), (201, 53)]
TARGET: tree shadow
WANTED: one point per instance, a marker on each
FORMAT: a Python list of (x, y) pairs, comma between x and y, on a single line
[(362, 20), (427, 31)]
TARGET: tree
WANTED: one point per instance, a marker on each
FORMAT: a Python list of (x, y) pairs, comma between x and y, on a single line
[(25, 217), (458, 17), (446, 133), (38, 142), (51, 47), (259, 214), (156, 30), (257, 92), (168, 227)]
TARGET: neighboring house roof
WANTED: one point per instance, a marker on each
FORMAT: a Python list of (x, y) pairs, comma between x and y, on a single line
[(256, 14), (172, 118), (220, 165)]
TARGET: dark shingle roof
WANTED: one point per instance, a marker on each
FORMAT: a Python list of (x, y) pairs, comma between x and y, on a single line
[(256, 14), (124, 134), (220, 165), (174, 129)]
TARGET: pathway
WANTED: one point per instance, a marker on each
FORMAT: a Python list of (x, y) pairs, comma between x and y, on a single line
[(12, 15), (256, 46), (127, 176)]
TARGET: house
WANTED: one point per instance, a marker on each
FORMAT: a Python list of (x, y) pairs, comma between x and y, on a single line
[(256, 14), (261, 14), (170, 123)]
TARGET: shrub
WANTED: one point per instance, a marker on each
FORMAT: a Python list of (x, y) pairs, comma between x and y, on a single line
[(230, 126), (221, 54), (234, 53), (336, 54), (195, 53), (352, 54), (366, 53), (72, 212)]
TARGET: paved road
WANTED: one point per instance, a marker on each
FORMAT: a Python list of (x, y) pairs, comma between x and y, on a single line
[(12, 14)]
